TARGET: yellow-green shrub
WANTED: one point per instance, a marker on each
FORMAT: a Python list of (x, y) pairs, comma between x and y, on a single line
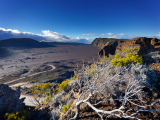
[(63, 85), (41, 87), (21, 115), (73, 78), (42, 90), (130, 56), (47, 99), (65, 108), (55, 91), (92, 71)]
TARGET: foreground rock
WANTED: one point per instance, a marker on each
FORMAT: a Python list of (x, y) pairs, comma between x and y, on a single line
[(9, 100)]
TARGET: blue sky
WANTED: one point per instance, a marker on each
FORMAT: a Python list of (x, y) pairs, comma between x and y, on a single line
[(79, 20)]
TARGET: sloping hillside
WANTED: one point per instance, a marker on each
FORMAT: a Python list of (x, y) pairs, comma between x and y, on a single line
[(100, 42), (23, 42)]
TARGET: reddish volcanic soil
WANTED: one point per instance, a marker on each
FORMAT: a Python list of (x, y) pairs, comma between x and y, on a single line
[(33, 57)]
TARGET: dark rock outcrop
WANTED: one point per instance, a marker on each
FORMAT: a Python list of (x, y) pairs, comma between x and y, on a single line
[(144, 45), (106, 50), (9, 100), (107, 45), (101, 42)]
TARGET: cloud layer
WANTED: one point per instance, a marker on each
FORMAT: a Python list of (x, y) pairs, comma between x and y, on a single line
[(54, 36), (48, 36), (158, 35), (122, 36)]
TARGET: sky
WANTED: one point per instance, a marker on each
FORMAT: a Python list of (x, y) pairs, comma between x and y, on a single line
[(79, 20)]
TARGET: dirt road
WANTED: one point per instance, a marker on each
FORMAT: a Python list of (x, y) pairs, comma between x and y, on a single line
[(53, 67)]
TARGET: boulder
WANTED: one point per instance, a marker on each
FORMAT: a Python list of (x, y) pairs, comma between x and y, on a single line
[(9, 100)]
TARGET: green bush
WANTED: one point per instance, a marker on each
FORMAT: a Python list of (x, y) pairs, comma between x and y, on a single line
[(130, 56), (42, 90), (63, 85), (27, 91), (20, 115), (41, 87), (55, 91), (47, 99), (19, 86), (65, 108), (32, 81), (92, 71), (73, 78)]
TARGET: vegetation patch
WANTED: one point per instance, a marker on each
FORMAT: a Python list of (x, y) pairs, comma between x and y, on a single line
[(20, 115), (129, 57)]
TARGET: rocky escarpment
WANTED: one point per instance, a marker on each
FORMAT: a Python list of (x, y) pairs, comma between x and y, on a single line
[(108, 48), (101, 42), (9, 100), (144, 45)]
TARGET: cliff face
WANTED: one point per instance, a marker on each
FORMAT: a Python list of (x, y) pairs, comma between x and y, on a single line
[(101, 42)]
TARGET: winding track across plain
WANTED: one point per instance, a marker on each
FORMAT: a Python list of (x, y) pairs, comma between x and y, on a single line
[(53, 67), (29, 100)]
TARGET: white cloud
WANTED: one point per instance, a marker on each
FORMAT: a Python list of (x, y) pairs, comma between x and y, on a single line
[(90, 34), (122, 36), (9, 30), (158, 35), (118, 36), (47, 36)]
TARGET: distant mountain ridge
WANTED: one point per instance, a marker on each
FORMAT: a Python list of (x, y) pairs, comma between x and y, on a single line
[(24, 42), (101, 42), (31, 43), (67, 43)]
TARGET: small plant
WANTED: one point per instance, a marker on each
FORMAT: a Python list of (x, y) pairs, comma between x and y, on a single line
[(20, 115), (41, 87), (41, 90), (65, 108), (47, 99), (32, 81), (73, 78), (25, 87), (130, 56), (55, 91), (19, 86), (27, 91), (63, 85)]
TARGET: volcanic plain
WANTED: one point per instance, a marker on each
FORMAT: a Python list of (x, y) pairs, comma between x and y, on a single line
[(15, 58)]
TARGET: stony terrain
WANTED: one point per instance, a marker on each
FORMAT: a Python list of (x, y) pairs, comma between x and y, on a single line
[(64, 69), (30, 58)]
